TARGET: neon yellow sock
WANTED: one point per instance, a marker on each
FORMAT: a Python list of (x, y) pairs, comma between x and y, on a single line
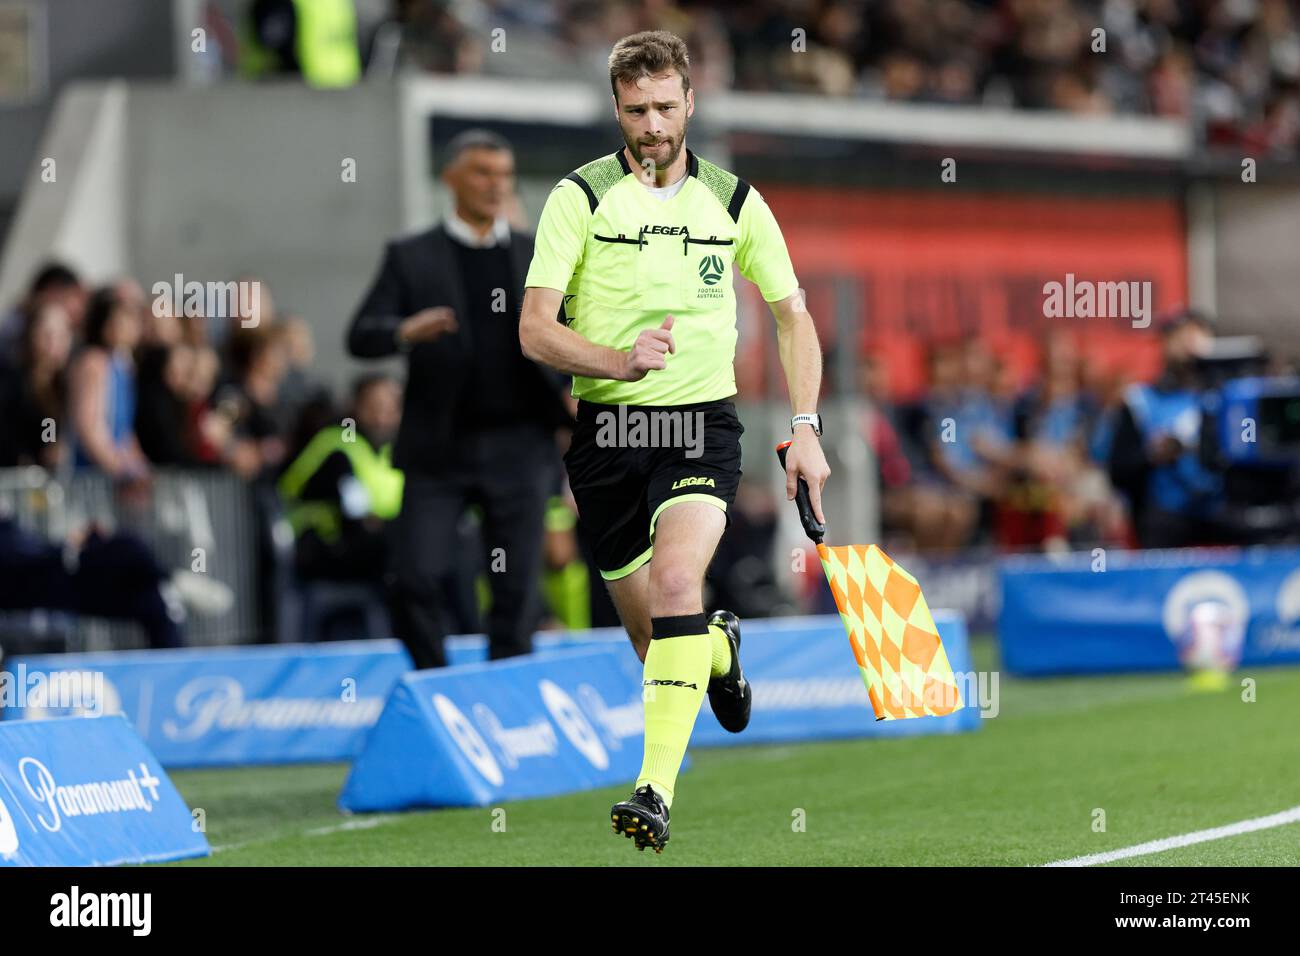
[(720, 664), (675, 679)]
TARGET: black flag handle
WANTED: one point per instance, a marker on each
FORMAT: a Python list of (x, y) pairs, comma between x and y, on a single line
[(814, 528)]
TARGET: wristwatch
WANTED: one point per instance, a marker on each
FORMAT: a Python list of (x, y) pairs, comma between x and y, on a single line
[(807, 418)]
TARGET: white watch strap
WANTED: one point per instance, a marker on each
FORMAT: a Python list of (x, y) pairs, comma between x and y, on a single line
[(805, 418)]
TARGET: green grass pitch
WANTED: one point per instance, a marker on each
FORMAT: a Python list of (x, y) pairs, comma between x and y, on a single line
[(1159, 759)]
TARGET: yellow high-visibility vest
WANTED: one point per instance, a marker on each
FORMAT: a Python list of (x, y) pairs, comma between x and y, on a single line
[(325, 45), (326, 42), (373, 468)]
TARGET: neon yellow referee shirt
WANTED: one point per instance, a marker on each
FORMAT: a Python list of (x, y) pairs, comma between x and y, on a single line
[(624, 260)]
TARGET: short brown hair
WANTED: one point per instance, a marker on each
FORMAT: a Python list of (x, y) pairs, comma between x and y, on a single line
[(647, 54)]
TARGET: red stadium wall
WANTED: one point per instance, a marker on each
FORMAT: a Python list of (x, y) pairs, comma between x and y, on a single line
[(937, 269)]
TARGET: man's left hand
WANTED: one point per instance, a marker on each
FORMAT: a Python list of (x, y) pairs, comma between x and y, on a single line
[(805, 459)]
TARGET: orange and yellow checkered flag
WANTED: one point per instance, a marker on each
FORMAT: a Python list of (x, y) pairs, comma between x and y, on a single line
[(890, 627), (893, 635)]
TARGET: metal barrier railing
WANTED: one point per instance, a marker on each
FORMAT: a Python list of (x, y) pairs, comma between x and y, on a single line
[(199, 521)]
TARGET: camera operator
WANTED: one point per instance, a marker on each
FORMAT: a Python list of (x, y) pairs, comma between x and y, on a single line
[(1155, 458)]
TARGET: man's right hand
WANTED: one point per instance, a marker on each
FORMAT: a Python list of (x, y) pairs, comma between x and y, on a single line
[(427, 325), (649, 351)]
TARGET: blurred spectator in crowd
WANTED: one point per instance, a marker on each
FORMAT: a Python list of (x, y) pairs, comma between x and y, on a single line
[(239, 334), (99, 574), (53, 284), (209, 432), (479, 420), (914, 503), (1059, 420), (102, 388), (314, 39), (162, 418), (162, 327), (832, 50), (342, 489), (969, 428), (33, 397), (166, 371), (1042, 499), (1107, 389), (1233, 68), (250, 404), (434, 39), (298, 387), (893, 468), (1155, 452)]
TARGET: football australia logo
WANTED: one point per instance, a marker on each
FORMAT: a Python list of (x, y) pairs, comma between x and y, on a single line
[(711, 269)]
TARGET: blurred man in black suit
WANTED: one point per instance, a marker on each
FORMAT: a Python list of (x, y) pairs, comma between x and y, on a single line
[(479, 419)]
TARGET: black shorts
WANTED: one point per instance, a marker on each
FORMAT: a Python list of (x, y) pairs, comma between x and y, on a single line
[(627, 463)]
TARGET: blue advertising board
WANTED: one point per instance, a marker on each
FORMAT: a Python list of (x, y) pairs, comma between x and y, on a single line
[(806, 684), (1124, 611), (88, 793), (199, 707), (531, 726), (570, 717)]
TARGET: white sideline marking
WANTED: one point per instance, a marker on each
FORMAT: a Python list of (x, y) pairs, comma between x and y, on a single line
[(369, 823), (1186, 839)]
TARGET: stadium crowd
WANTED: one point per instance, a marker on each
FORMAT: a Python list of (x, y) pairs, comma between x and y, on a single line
[(1230, 66), (107, 380), (974, 460), (132, 388)]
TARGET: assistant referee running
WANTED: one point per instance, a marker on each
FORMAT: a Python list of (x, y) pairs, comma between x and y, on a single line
[(634, 253)]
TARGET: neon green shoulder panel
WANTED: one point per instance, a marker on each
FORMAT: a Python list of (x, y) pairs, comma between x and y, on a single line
[(721, 183), (598, 177)]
